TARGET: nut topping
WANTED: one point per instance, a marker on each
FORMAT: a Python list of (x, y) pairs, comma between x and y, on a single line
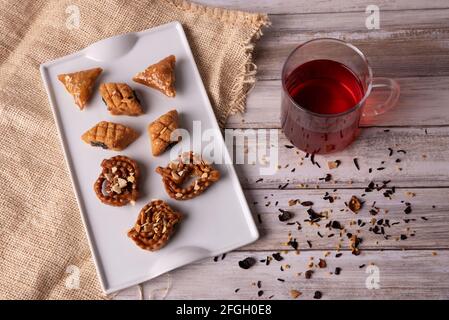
[(156, 231), (117, 183), (188, 165)]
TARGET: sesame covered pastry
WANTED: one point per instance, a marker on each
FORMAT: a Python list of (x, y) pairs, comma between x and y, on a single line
[(159, 76), (154, 226), (110, 135), (80, 84), (187, 165), (120, 99), (160, 131), (117, 184)]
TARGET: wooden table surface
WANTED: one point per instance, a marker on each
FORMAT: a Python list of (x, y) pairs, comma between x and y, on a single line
[(412, 46)]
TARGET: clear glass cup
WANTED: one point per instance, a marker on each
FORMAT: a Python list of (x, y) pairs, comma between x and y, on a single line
[(325, 133)]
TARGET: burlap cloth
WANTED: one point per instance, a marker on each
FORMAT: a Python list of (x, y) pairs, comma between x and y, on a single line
[(42, 240)]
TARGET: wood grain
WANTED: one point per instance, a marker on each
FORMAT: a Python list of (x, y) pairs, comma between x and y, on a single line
[(423, 165), (423, 102), (430, 233), (400, 48), (306, 6), (402, 275)]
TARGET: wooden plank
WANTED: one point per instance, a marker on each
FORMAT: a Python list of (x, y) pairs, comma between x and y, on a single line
[(402, 275), (305, 6), (397, 49), (424, 164), (433, 232), (392, 23), (423, 102)]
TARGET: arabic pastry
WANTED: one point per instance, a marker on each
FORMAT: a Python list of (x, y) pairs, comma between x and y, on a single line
[(110, 135), (160, 131), (186, 166), (117, 184), (80, 84), (159, 76), (120, 99), (154, 226)]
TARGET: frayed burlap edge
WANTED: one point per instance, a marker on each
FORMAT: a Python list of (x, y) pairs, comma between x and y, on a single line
[(246, 78)]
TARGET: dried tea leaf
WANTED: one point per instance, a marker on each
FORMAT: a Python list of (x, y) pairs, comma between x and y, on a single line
[(313, 215), (277, 256), (322, 263), (247, 263), (408, 209), (293, 243), (285, 215), (308, 274), (354, 244), (336, 225), (309, 243), (354, 204), (295, 293), (327, 178), (333, 164), (356, 163)]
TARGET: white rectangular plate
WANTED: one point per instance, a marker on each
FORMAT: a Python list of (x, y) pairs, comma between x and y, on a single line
[(215, 222)]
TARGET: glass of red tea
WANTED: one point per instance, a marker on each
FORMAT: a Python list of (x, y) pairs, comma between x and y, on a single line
[(325, 86)]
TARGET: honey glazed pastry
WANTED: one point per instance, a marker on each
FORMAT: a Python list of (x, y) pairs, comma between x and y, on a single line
[(159, 76), (110, 135), (117, 184), (80, 84), (155, 225), (160, 131), (120, 99), (187, 165)]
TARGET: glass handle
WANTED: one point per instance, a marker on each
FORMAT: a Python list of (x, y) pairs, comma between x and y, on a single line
[(384, 95)]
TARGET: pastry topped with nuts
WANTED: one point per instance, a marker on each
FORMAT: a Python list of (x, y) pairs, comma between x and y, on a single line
[(160, 131), (80, 84), (159, 76), (117, 184), (154, 226), (120, 99), (110, 135), (187, 165)]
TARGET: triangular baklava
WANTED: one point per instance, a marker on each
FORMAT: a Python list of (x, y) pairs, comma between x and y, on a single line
[(80, 84), (159, 76)]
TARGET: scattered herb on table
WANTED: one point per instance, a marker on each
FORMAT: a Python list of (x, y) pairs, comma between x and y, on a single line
[(247, 263), (356, 163)]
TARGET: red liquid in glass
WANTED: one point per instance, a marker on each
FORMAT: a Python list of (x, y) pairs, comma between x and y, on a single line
[(328, 88), (324, 87)]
